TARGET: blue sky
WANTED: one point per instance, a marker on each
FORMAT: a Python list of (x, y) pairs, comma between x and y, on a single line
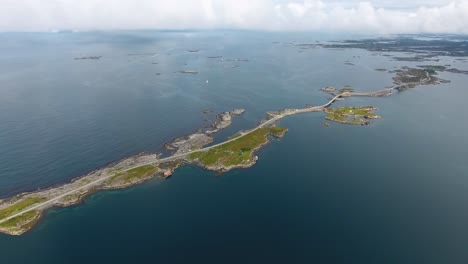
[(373, 16)]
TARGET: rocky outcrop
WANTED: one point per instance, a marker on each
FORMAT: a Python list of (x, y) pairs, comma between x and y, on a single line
[(190, 142), (224, 120), (203, 137)]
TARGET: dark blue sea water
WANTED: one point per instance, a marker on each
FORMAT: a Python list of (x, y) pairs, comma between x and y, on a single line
[(392, 192)]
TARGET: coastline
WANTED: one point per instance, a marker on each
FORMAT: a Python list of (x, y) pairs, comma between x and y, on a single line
[(101, 179), (140, 168)]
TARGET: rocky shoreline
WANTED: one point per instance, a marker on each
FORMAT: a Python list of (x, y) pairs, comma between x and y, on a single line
[(113, 176), (203, 137), (18, 214)]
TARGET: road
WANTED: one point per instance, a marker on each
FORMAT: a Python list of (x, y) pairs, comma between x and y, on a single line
[(387, 91), (51, 201)]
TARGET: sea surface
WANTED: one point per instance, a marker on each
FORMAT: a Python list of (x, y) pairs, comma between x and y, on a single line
[(392, 192)]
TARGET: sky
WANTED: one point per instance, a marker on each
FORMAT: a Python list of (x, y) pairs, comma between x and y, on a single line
[(373, 16)]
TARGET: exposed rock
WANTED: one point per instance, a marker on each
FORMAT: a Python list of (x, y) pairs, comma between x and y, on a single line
[(89, 58), (328, 89), (224, 120), (202, 138), (190, 142), (453, 70), (143, 54), (189, 72), (237, 111)]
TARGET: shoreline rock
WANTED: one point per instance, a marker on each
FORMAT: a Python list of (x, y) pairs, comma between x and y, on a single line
[(202, 137)]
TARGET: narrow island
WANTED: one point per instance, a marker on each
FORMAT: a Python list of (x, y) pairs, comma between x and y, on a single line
[(88, 58), (189, 72)]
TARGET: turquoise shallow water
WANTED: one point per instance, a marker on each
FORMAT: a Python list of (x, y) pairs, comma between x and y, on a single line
[(393, 192)]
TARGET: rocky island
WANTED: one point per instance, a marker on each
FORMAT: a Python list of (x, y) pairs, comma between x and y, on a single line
[(88, 58), (351, 115), (189, 72), (202, 137)]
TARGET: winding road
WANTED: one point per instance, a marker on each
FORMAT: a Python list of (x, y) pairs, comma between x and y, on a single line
[(50, 202)]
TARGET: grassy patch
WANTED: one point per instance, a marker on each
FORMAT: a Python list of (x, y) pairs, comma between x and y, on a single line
[(346, 90), (413, 75), (24, 218), (19, 206), (328, 89), (277, 131), (238, 134), (135, 173), (237, 151), (361, 111), (351, 115), (335, 117), (169, 165)]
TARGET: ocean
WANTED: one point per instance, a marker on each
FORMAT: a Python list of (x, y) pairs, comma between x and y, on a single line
[(392, 192)]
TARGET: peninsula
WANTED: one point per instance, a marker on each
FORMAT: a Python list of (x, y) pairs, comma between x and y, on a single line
[(20, 213)]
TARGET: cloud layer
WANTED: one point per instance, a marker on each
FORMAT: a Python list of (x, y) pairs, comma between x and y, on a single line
[(384, 16)]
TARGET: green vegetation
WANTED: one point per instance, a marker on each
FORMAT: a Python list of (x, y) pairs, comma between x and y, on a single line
[(331, 89), (136, 173), (19, 206), (169, 165), (24, 218), (278, 131), (355, 111), (412, 75), (346, 90), (238, 151), (238, 134), (335, 117), (328, 89), (351, 115)]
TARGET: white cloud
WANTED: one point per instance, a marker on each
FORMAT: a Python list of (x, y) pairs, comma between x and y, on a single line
[(381, 16)]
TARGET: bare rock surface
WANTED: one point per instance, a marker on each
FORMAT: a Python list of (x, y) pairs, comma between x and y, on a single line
[(204, 137), (224, 120)]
